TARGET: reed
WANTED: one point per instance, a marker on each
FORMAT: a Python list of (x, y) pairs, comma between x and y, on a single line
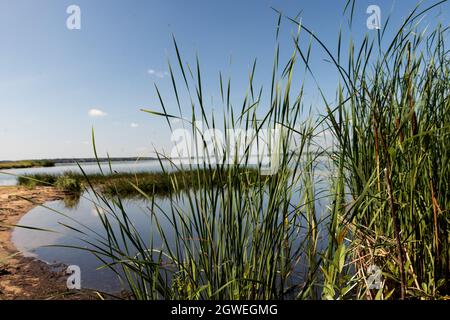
[(238, 240), (391, 127), (300, 234)]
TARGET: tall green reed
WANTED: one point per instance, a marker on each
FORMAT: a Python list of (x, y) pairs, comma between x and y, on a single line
[(391, 126), (242, 240), (268, 237)]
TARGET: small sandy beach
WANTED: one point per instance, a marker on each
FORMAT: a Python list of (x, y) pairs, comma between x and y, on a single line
[(22, 277)]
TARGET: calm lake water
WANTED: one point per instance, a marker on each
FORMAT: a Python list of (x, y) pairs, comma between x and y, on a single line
[(44, 245), (36, 243), (126, 166)]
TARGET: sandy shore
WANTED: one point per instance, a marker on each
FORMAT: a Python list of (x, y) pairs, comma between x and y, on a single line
[(21, 277)]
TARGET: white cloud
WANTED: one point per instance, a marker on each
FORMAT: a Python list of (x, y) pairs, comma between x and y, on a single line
[(159, 74), (96, 113), (95, 211), (134, 125)]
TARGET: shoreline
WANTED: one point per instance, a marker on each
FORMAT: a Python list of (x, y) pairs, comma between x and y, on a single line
[(48, 163), (24, 277)]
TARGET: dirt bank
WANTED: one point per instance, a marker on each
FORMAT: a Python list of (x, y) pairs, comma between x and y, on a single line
[(21, 277)]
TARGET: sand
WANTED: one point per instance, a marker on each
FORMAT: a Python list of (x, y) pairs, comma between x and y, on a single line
[(22, 277)]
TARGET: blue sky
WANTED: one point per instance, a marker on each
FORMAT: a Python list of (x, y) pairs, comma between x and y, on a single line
[(52, 79)]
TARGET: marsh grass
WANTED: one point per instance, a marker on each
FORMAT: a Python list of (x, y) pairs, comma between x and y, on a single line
[(392, 129), (242, 239), (269, 238), (124, 184), (25, 164)]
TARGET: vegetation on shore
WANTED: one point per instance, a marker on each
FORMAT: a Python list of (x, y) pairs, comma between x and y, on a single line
[(94, 160), (384, 230), (25, 164), (131, 184), (22, 164)]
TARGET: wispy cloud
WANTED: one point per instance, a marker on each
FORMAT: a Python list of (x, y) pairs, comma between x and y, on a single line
[(95, 211), (156, 73), (96, 113), (134, 125)]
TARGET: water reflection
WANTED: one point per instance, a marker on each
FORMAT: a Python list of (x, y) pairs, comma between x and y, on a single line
[(72, 200), (82, 212)]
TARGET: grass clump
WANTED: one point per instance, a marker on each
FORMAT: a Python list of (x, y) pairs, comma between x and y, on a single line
[(239, 234), (392, 131), (68, 183), (34, 180), (132, 184), (246, 236)]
